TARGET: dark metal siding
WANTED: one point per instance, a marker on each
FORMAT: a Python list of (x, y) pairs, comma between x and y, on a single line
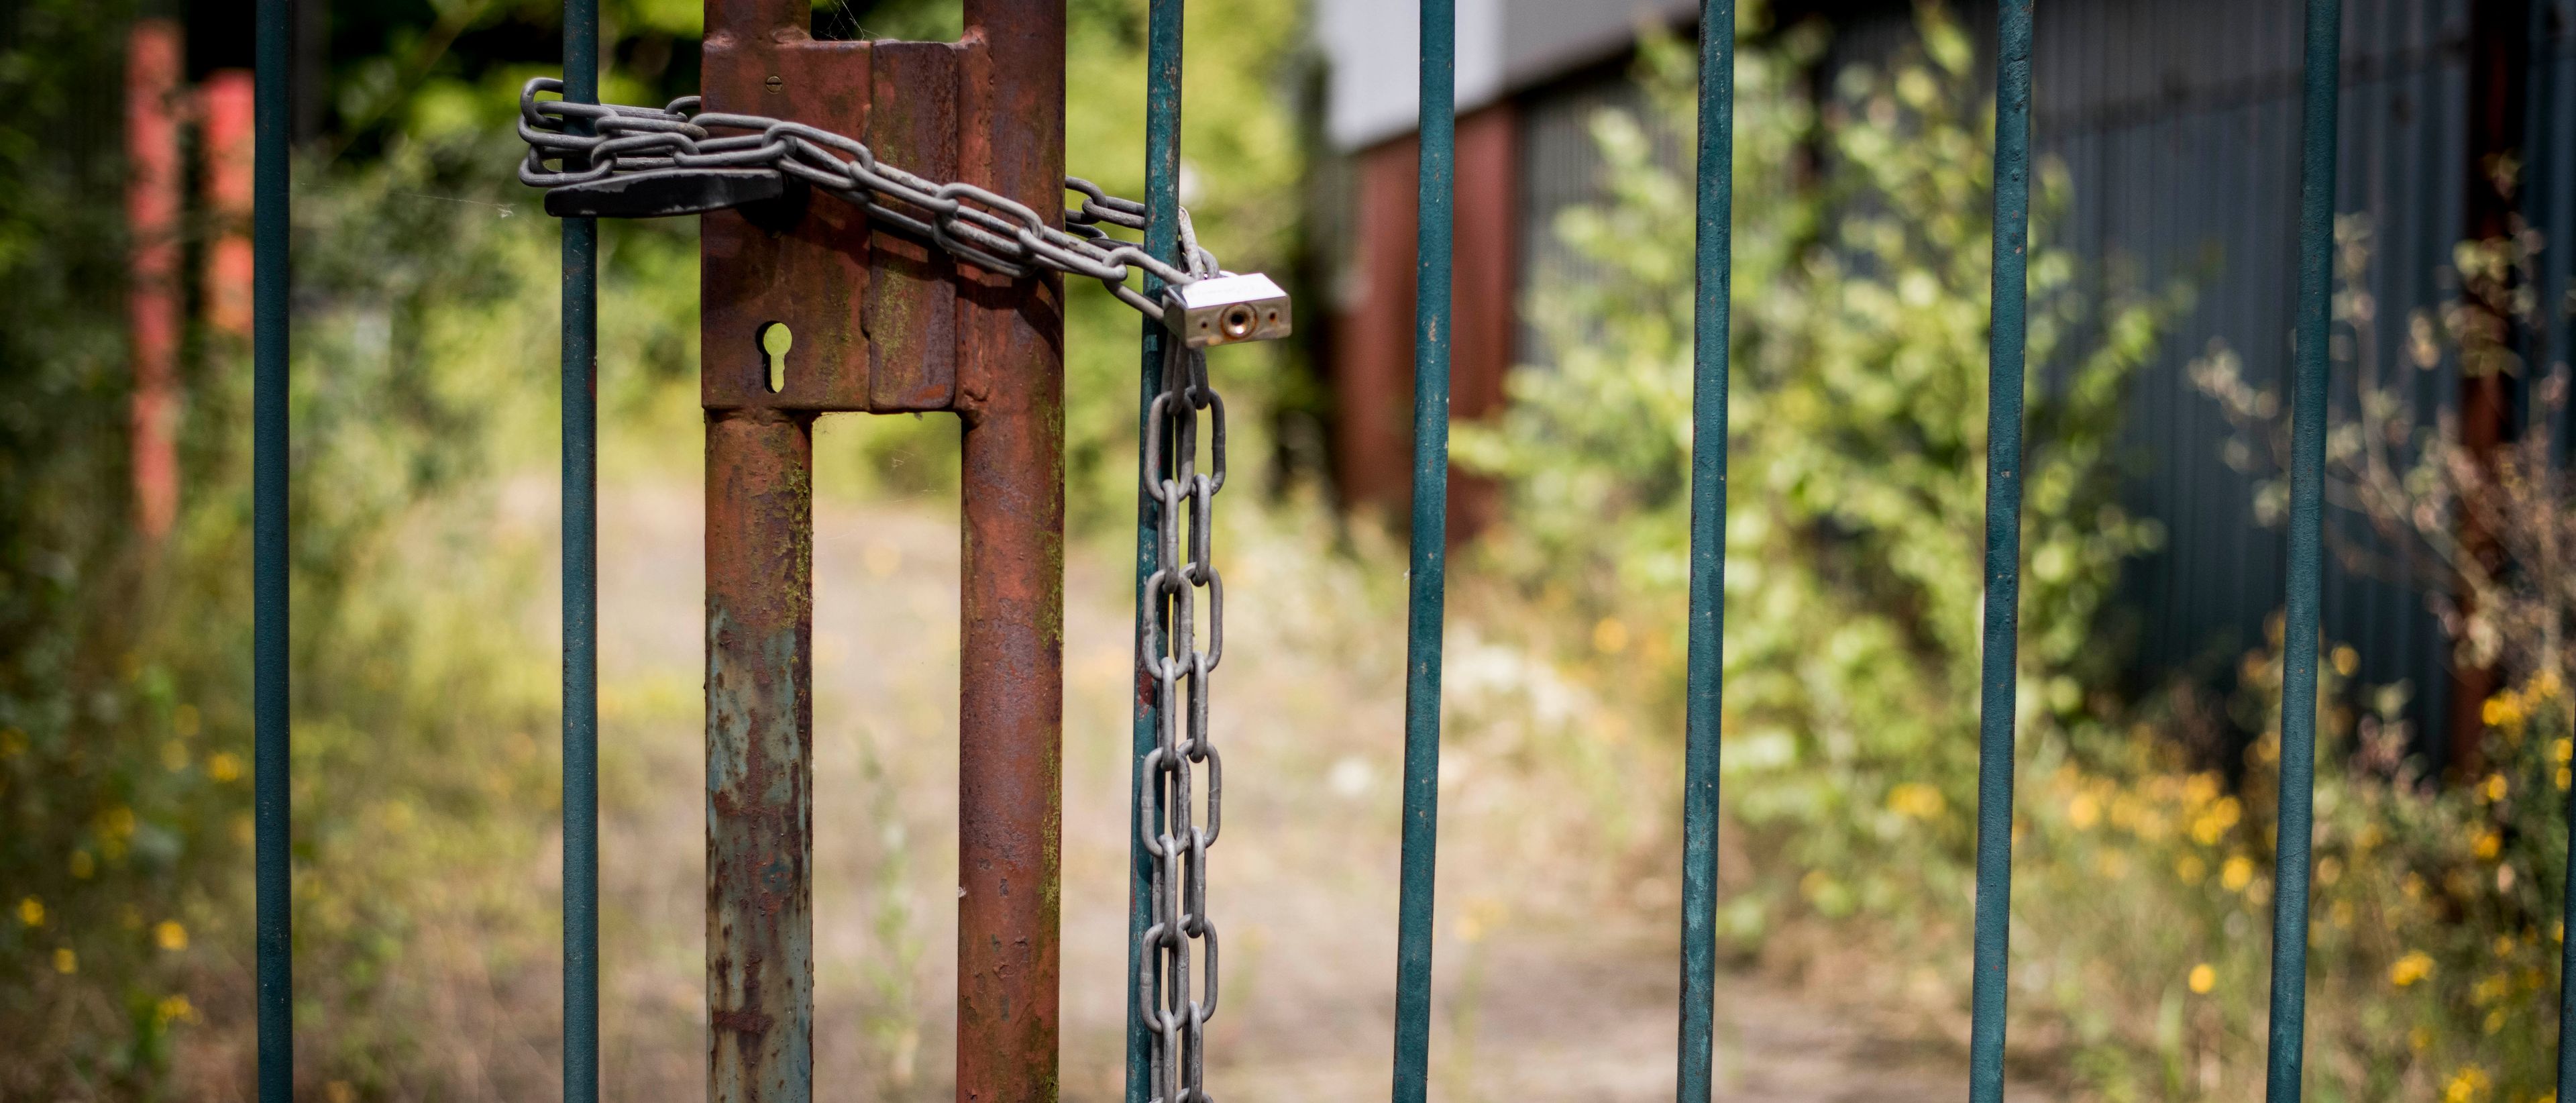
[(2177, 122)]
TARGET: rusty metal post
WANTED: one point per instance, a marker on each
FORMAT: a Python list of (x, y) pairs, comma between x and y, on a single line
[(882, 322), (760, 724), (1010, 807)]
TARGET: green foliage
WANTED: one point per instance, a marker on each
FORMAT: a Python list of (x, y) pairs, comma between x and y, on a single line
[(2143, 872), (1856, 485)]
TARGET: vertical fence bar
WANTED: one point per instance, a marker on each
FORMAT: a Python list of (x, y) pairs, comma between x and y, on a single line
[(274, 125), (1996, 679), (2567, 963), (1162, 239), (1430, 536), (2306, 556), (581, 598), (1715, 211)]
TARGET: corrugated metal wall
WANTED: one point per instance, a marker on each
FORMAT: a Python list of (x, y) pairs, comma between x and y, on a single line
[(2177, 121)]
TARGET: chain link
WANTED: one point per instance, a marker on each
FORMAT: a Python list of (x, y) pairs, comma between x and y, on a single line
[(1172, 1011), (988, 230)]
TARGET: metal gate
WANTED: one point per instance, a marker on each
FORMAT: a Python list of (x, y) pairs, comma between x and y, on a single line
[(953, 306)]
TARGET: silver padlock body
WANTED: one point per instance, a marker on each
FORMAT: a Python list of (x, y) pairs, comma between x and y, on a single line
[(1222, 310)]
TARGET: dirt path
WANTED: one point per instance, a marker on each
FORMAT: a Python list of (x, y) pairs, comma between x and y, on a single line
[(1536, 1002)]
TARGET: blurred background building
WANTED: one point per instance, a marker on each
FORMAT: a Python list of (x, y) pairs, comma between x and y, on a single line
[(2177, 124)]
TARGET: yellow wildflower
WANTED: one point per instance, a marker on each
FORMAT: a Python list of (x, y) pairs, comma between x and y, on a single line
[(2487, 845), (2501, 711), (2346, 660), (65, 961), (2083, 811), (169, 935), (1610, 636), (2469, 1085), (2237, 873), (31, 912), (2203, 978), (2415, 966), (174, 1009), (2495, 787), (1915, 800), (2561, 748), (225, 766)]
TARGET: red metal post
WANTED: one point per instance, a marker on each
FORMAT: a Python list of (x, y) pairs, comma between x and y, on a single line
[(152, 75), (883, 322), (224, 142), (1010, 807)]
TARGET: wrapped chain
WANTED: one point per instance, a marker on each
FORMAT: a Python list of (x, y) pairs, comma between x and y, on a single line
[(1008, 238), (977, 225), (1172, 1010)]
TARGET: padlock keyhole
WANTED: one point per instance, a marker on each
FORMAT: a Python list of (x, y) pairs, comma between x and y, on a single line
[(1238, 321), (775, 340)]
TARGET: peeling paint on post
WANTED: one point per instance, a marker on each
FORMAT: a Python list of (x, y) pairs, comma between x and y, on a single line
[(760, 723), (880, 323)]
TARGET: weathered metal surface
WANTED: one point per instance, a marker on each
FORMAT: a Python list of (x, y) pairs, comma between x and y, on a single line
[(273, 22), (1703, 716), (668, 193), (1997, 677), (760, 722), (860, 302), (2293, 827), (580, 583), (884, 321), (1011, 707), (1163, 239), (1428, 596)]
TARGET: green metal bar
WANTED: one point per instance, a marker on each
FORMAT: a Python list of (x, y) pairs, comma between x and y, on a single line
[(2567, 964), (1430, 539), (1999, 673), (2307, 567), (581, 598), (1706, 677), (273, 879), (1162, 239)]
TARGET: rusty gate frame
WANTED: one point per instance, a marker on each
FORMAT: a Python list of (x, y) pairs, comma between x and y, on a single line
[(882, 322)]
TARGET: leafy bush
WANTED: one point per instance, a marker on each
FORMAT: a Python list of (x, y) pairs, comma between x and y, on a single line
[(1856, 485), (2143, 870)]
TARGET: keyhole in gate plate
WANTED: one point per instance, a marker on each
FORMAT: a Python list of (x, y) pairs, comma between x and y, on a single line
[(775, 340)]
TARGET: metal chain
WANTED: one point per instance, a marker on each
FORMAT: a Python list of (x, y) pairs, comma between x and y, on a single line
[(988, 230), (1008, 238), (1175, 1013)]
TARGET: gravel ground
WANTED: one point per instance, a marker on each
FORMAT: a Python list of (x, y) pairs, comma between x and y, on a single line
[(1539, 998)]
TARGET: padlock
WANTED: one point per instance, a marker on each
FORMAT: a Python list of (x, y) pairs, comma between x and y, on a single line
[(1222, 310)]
